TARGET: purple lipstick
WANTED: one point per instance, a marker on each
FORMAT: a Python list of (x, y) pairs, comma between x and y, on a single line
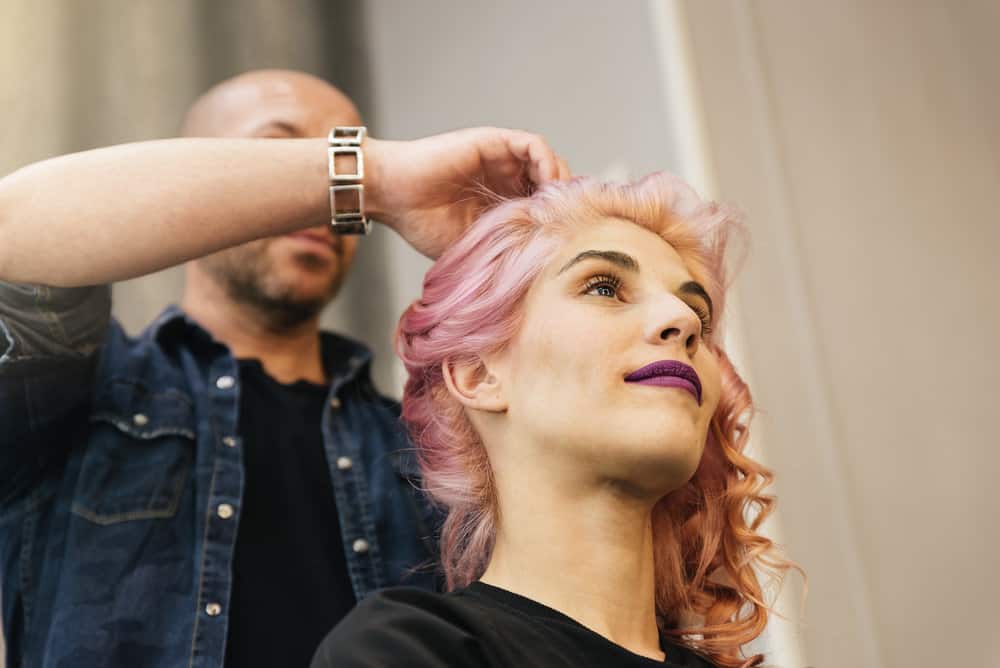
[(668, 373)]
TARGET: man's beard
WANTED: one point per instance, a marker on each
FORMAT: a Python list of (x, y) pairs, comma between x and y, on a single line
[(247, 275)]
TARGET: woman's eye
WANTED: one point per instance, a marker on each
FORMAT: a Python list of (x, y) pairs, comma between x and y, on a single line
[(706, 321), (603, 286), (604, 290)]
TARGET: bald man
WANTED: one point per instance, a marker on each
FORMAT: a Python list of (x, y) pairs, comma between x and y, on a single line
[(224, 487)]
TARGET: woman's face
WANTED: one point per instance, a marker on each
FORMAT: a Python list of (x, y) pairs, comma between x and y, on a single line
[(609, 377)]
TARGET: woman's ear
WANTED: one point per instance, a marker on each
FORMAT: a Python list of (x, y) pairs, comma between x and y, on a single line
[(472, 383)]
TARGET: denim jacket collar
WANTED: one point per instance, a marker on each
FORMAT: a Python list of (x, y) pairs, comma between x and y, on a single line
[(344, 359)]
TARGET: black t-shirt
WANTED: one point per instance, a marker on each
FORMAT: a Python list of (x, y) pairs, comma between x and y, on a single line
[(480, 626), (290, 580)]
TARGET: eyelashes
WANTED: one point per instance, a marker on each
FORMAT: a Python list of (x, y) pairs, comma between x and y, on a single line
[(610, 286), (706, 319)]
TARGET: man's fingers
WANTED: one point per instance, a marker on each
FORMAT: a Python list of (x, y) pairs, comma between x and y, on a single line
[(544, 161), (541, 161)]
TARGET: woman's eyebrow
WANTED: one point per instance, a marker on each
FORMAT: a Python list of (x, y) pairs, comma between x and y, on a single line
[(624, 261), (696, 289)]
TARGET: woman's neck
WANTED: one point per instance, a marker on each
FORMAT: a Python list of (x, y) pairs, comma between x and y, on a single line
[(589, 556)]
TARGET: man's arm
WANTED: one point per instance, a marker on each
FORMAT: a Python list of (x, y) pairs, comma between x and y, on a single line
[(114, 213), (119, 212)]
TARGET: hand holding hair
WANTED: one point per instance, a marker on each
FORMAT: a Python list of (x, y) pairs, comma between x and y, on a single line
[(429, 190)]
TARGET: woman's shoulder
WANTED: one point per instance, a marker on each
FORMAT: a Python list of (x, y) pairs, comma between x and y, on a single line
[(476, 626), (405, 626)]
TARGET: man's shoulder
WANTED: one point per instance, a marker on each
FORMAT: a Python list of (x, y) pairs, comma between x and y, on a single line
[(154, 361), (42, 325)]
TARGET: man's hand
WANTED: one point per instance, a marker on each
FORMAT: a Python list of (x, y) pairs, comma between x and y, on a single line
[(429, 190)]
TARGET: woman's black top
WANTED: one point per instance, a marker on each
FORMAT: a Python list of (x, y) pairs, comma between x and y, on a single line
[(479, 626)]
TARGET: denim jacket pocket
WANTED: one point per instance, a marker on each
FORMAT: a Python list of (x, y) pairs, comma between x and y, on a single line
[(138, 456)]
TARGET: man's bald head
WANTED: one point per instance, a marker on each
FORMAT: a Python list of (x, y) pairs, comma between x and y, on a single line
[(270, 103), (283, 279)]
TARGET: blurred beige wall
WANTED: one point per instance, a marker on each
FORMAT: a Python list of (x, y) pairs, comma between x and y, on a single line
[(862, 140)]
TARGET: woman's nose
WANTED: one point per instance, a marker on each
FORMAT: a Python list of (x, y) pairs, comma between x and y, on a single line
[(674, 322)]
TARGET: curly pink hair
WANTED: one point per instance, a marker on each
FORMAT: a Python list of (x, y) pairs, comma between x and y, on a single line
[(708, 551)]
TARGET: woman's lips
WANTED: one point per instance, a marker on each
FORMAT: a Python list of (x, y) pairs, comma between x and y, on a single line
[(668, 373)]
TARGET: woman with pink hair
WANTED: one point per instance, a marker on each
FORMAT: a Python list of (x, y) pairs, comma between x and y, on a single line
[(576, 416)]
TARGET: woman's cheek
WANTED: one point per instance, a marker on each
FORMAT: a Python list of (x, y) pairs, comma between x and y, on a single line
[(711, 385)]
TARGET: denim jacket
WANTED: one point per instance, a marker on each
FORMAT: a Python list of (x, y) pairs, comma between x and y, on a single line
[(120, 471)]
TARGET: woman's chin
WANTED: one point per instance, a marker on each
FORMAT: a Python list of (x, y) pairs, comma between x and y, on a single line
[(655, 467)]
